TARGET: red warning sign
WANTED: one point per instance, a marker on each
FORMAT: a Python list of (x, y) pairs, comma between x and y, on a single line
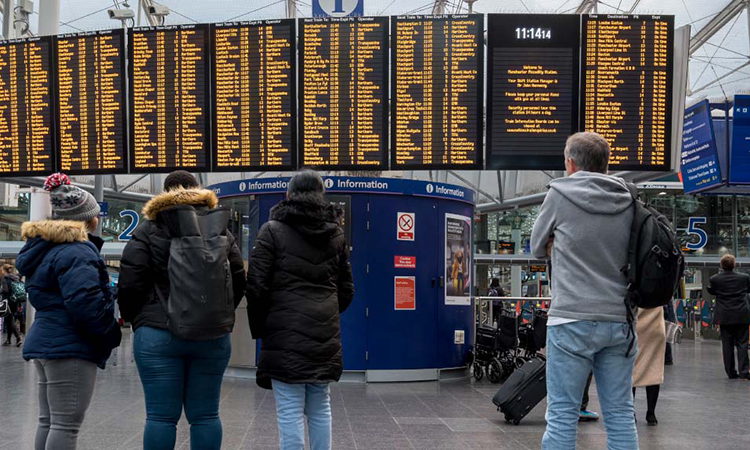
[(405, 262), (404, 290), (405, 226)]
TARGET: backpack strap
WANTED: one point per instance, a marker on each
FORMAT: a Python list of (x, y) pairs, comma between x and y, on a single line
[(629, 269)]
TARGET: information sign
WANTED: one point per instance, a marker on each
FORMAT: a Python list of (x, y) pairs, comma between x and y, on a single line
[(91, 100), (254, 101), (169, 98), (437, 65), (739, 160), (404, 293), (627, 87), (532, 90), (26, 107), (699, 163), (344, 93)]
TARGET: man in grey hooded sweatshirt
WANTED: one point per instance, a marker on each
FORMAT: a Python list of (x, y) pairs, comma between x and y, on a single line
[(584, 226)]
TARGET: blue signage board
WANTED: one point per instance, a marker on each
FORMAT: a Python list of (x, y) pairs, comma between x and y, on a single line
[(338, 8), (739, 153), (393, 186), (699, 163), (103, 209)]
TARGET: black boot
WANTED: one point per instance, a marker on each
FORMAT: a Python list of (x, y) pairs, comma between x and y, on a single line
[(651, 419), (6, 343)]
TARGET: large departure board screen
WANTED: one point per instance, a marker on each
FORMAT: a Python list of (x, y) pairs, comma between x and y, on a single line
[(169, 98), (91, 101), (254, 100), (344, 92), (27, 135), (437, 65), (627, 87), (532, 89)]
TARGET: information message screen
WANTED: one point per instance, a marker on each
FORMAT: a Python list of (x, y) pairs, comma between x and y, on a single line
[(26, 108), (627, 87), (91, 102), (344, 92), (169, 98), (699, 161), (254, 100), (532, 90), (436, 92)]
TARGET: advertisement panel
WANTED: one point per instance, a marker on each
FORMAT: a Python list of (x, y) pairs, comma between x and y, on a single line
[(458, 268)]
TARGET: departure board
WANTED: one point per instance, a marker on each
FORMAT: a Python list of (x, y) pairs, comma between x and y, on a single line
[(27, 135), (532, 89), (254, 99), (344, 92), (437, 65), (169, 98), (627, 87), (91, 101)]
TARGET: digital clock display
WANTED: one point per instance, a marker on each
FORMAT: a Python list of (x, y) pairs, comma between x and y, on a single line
[(533, 33)]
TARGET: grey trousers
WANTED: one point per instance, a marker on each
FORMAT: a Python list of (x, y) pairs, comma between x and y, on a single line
[(65, 390)]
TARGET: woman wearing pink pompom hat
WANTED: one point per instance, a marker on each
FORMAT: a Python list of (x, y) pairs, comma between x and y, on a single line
[(74, 328)]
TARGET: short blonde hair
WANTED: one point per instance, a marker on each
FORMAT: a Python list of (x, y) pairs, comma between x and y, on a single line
[(727, 262)]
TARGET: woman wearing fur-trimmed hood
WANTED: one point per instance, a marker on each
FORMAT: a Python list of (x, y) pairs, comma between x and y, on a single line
[(175, 372), (74, 328)]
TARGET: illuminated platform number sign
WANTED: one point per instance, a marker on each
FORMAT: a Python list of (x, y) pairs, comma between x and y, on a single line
[(27, 134), (91, 102), (627, 87), (436, 92), (169, 98)]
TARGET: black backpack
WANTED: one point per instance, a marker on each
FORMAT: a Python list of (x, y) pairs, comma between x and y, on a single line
[(655, 260), (200, 305)]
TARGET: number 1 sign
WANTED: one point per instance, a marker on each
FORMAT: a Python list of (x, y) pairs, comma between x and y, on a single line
[(337, 8)]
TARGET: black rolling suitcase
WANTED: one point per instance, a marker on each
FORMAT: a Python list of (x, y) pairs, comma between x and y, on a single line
[(522, 391)]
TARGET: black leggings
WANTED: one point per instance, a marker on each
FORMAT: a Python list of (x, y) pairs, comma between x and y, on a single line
[(10, 327), (652, 396)]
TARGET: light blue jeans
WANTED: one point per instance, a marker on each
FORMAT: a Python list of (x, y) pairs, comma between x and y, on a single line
[(573, 350), (293, 403)]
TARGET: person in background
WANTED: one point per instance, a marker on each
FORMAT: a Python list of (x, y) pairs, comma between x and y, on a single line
[(671, 316), (299, 281), (74, 329), (175, 373), (585, 220), (733, 315), (585, 415), (495, 289), (6, 290), (648, 369)]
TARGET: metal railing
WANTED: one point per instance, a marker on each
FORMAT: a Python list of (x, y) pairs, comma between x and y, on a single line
[(485, 307)]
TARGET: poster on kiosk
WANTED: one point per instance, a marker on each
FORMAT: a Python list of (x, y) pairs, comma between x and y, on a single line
[(458, 268)]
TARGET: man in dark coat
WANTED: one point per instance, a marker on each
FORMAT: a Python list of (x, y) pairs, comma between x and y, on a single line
[(299, 281), (733, 315)]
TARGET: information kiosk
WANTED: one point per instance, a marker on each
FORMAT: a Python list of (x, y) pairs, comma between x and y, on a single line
[(410, 241)]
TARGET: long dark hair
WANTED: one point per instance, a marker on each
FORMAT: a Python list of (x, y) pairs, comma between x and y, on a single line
[(307, 187)]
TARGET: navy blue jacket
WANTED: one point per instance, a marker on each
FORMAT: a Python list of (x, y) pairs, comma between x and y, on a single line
[(68, 284)]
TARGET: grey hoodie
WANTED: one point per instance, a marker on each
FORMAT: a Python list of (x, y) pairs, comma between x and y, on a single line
[(589, 215)]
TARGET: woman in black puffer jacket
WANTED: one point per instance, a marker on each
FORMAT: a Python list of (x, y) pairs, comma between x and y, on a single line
[(299, 281)]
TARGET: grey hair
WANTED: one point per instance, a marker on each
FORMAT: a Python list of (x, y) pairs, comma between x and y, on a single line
[(589, 151)]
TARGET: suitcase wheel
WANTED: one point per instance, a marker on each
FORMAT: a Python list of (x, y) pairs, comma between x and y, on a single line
[(516, 422)]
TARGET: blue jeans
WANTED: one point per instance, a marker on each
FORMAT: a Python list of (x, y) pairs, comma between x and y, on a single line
[(177, 373), (573, 350), (293, 402)]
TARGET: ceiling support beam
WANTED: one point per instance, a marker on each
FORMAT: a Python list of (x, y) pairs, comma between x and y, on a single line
[(475, 187), (709, 30), (708, 85), (587, 7)]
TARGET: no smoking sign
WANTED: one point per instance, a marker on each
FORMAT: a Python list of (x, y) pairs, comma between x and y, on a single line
[(405, 226)]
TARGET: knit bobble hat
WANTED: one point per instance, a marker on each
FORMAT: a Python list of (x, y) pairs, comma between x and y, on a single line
[(70, 202)]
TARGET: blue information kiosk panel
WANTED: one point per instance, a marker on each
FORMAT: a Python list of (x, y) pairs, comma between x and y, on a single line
[(699, 163), (739, 159)]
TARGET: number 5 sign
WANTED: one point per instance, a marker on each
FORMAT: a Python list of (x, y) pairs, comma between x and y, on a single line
[(337, 8), (693, 229)]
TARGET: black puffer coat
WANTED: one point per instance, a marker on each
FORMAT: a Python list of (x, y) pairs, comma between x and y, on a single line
[(299, 281), (143, 267)]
